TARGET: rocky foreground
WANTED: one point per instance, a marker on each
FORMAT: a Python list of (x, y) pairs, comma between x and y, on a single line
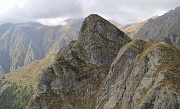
[(105, 69)]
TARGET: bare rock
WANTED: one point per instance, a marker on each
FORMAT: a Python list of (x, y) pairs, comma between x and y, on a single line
[(101, 39), (139, 78)]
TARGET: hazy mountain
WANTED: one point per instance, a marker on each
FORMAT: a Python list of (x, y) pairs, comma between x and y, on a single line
[(132, 29), (75, 22), (116, 24), (21, 44), (164, 28)]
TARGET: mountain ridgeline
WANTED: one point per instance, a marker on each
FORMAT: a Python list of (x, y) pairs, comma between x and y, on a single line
[(21, 44), (79, 68), (164, 28), (101, 69), (105, 69)]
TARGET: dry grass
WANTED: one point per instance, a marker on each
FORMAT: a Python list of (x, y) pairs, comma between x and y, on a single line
[(27, 75)]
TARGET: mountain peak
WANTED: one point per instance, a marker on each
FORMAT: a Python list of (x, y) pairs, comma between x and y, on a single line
[(96, 26), (178, 7), (104, 70), (83, 63), (94, 16), (94, 19), (98, 33)]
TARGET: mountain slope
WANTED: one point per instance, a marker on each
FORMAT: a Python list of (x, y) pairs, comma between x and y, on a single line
[(162, 29), (90, 73), (16, 88), (132, 29), (143, 76), (23, 43), (79, 68)]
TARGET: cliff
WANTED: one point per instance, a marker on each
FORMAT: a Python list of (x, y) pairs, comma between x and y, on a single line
[(79, 69), (105, 69)]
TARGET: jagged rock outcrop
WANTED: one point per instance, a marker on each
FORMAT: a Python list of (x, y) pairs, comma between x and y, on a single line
[(101, 39), (79, 69), (104, 69), (23, 43), (164, 28), (142, 76)]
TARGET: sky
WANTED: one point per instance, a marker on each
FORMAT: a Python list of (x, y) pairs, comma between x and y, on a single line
[(54, 12)]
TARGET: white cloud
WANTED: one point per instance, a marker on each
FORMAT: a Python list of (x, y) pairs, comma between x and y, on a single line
[(52, 21), (51, 11), (128, 11)]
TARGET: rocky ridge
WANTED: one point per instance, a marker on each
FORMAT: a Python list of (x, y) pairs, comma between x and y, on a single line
[(79, 69), (142, 76), (105, 69)]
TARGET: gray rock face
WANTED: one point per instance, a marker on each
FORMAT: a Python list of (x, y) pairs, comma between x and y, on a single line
[(101, 39), (162, 29), (80, 67), (86, 76), (139, 78)]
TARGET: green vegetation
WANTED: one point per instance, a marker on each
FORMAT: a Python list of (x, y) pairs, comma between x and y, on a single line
[(169, 67), (16, 88), (28, 75), (13, 96)]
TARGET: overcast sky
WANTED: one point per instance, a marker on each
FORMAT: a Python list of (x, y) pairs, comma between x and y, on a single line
[(52, 12)]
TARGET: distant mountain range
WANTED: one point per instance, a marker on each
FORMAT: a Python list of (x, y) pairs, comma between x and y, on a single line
[(21, 44), (165, 28), (131, 29), (102, 68)]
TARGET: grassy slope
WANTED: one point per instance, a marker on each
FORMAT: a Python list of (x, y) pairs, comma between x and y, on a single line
[(16, 88), (132, 29)]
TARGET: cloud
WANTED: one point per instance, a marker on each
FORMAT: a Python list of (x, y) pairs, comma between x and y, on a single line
[(22, 10), (52, 21), (50, 8), (128, 11), (52, 11)]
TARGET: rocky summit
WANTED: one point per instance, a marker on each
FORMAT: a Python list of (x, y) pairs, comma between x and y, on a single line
[(79, 69), (101, 39), (105, 69)]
